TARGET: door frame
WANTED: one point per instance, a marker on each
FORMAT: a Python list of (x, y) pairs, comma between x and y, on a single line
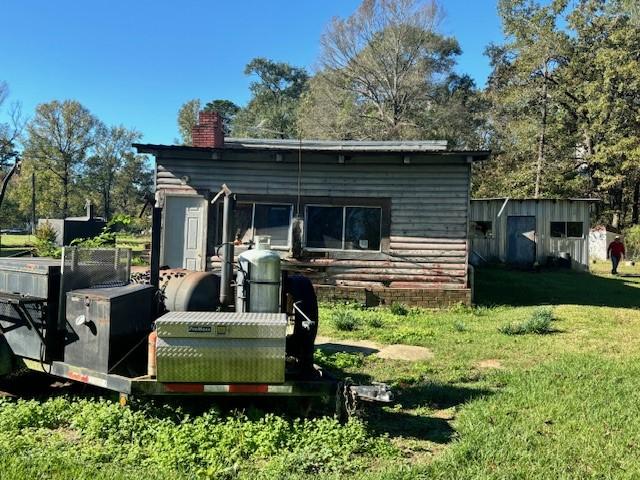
[(535, 238), (205, 226)]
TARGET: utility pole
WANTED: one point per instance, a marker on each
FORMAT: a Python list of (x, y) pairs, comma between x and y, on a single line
[(33, 203)]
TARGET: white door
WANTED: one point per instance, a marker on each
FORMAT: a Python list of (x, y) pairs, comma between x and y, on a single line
[(184, 232)]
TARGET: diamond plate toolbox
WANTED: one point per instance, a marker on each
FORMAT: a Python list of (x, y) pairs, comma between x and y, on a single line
[(221, 347)]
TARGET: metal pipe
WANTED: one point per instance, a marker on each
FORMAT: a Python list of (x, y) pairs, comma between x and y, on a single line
[(226, 273), (154, 269)]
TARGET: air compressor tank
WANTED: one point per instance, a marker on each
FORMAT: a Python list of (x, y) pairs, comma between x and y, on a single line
[(258, 279)]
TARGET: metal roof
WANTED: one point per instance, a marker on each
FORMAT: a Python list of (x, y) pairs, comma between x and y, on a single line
[(533, 199), (347, 146)]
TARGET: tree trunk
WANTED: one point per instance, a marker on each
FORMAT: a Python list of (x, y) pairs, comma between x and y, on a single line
[(543, 128), (636, 201), (65, 195), (33, 203)]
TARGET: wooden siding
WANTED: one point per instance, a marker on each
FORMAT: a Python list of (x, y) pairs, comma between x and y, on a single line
[(494, 248), (427, 236)]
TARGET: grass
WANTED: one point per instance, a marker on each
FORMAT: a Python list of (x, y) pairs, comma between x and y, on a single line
[(486, 405), (14, 240)]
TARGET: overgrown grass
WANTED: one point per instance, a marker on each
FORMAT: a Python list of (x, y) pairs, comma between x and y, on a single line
[(539, 322)]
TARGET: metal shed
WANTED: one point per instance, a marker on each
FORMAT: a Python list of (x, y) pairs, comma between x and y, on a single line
[(527, 231)]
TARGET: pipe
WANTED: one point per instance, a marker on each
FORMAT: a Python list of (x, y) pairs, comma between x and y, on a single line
[(154, 269), (226, 273)]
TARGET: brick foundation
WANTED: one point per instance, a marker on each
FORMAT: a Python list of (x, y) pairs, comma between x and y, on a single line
[(428, 298)]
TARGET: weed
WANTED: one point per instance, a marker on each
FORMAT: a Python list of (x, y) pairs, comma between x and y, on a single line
[(375, 322), (339, 360), (459, 326), (399, 309), (539, 322), (344, 320)]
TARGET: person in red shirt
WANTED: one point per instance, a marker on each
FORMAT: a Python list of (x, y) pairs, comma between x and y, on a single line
[(615, 252)]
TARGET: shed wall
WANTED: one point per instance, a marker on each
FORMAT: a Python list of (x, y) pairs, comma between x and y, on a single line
[(427, 236), (545, 211)]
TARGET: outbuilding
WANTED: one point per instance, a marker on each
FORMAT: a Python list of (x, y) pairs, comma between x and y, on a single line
[(389, 217), (528, 231)]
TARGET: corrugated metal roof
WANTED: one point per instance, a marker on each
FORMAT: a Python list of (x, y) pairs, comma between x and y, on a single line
[(347, 146), (533, 199)]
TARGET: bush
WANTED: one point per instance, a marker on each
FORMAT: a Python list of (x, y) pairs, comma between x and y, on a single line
[(344, 320), (375, 322), (632, 242), (45, 242), (399, 309), (539, 322)]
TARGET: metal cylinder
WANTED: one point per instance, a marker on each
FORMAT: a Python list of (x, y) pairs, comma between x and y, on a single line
[(152, 369), (258, 280), (189, 291)]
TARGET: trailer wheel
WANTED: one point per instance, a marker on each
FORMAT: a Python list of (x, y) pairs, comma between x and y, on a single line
[(301, 343)]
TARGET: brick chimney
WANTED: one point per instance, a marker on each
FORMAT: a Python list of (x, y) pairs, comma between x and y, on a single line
[(209, 132)]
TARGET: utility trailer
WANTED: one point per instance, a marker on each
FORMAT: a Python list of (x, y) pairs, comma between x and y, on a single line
[(171, 332)]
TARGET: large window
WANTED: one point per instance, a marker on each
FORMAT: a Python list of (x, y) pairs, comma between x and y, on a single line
[(344, 228), (566, 229), (253, 219)]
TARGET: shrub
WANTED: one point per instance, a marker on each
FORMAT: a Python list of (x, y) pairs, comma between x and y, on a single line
[(45, 242), (399, 309), (344, 320), (539, 322), (632, 241), (375, 322)]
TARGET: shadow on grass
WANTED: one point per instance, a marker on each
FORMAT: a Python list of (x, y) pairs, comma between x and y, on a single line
[(345, 348), (503, 286)]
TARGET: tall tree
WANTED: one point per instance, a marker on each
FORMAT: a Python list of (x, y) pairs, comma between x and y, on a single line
[(187, 119), (383, 64), (276, 93), (111, 150), (133, 182), (59, 137), (226, 109)]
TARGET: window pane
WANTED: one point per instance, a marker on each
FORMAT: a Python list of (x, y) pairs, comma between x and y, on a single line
[(574, 229), (324, 227), (362, 229), (273, 220), (558, 229), (480, 229), (242, 220)]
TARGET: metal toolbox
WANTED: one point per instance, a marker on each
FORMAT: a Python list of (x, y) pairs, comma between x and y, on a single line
[(221, 347), (106, 324), (37, 282)]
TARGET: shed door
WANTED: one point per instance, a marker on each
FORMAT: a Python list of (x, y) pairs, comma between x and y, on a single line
[(184, 232), (521, 240)]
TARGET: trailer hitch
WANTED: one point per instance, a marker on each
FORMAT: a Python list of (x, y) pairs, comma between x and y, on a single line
[(376, 392)]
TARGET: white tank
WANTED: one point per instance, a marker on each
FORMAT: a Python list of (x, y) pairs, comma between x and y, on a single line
[(258, 279)]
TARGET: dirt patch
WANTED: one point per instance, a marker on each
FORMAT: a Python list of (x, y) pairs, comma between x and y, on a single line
[(489, 363), (392, 352), (405, 352)]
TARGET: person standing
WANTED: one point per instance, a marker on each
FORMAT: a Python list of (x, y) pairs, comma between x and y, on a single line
[(615, 252)]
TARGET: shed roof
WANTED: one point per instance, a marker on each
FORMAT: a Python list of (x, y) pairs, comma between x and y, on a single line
[(436, 147), (533, 199)]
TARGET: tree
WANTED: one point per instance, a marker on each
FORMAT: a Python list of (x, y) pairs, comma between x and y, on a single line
[(111, 150), (133, 182), (226, 109), (187, 119), (271, 112), (381, 67), (59, 137)]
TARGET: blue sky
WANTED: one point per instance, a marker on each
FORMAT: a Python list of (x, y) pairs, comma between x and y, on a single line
[(134, 62)]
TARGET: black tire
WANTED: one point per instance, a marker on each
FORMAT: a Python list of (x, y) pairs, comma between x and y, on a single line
[(301, 343)]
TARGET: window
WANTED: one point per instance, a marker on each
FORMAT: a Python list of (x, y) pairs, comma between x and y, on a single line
[(343, 228), (253, 219), (566, 229), (481, 229)]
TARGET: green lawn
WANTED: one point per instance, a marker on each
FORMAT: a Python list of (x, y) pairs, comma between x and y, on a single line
[(14, 240), (486, 405)]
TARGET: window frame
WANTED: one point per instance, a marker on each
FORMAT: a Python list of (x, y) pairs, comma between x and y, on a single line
[(566, 230), (252, 227), (344, 228)]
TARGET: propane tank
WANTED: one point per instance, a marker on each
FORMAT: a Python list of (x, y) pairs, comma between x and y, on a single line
[(258, 279)]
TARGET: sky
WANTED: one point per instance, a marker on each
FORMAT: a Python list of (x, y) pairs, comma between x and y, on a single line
[(134, 62)]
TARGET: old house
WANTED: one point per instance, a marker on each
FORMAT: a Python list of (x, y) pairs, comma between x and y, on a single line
[(529, 231), (390, 217)]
